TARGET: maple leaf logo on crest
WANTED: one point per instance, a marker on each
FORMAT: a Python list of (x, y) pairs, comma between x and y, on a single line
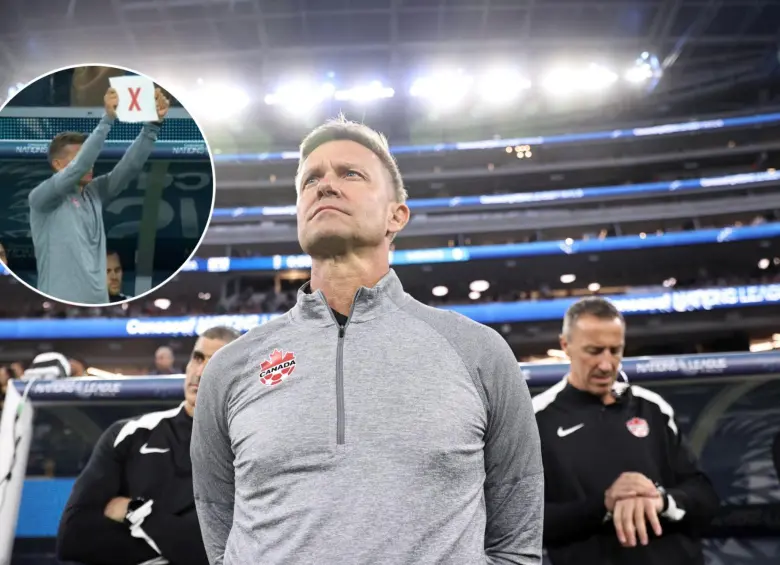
[(277, 367)]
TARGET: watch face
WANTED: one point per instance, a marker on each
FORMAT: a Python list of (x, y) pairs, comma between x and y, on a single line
[(135, 504)]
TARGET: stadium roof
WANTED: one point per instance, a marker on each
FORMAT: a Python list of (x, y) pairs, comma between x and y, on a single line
[(713, 43)]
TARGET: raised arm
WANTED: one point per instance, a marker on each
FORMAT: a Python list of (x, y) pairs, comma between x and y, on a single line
[(514, 482), (212, 456), (130, 165), (48, 195)]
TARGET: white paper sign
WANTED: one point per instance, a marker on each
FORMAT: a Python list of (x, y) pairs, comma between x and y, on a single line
[(136, 99)]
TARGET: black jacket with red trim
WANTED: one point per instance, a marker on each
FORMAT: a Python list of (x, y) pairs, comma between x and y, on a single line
[(586, 445), (146, 457)]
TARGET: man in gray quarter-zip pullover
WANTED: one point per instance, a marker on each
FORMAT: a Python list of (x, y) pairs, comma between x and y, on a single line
[(66, 210), (364, 427)]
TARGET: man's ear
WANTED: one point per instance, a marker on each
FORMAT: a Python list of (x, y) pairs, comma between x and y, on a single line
[(564, 344), (399, 217)]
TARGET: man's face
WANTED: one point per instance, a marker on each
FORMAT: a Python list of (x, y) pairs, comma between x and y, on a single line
[(345, 201), (204, 349), (17, 369), (114, 274), (595, 348), (163, 359), (3, 256), (65, 156)]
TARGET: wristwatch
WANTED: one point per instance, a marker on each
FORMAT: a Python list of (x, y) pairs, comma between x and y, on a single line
[(665, 496), (132, 506)]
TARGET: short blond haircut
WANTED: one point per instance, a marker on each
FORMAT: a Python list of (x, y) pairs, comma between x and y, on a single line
[(341, 129)]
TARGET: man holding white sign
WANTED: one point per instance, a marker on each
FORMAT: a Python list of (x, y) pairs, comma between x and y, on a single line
[(66, 210)]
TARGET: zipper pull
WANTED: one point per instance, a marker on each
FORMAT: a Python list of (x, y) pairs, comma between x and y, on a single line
[(341, 332)]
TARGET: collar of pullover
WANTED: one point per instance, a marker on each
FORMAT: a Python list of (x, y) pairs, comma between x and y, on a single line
[(368, 303)]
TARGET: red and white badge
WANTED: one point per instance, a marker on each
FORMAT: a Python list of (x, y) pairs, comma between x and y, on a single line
[(277, 367), (638, 427)]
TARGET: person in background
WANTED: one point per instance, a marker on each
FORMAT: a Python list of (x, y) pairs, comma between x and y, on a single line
[(78, 367), (17, 369), (163, 362), (133, 503), (66, 210), (114, 274), (89, 83), (622, 485)]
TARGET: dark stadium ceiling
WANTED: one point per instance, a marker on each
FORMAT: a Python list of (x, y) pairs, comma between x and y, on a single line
[(707, 44)]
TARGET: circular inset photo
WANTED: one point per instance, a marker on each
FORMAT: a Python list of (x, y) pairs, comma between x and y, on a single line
[(107, 185)]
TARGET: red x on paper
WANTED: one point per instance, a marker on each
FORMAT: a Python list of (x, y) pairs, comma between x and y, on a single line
[(134, 94)]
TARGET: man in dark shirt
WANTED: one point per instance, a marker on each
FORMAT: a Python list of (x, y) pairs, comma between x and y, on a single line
[(133, 503), (114, 274), (621, 485)]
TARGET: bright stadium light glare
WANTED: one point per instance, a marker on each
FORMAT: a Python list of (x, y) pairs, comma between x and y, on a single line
[(474, 295), (568, 81), (374, 90), (13, 90), (300, 96), (639, 74), (479, 286), (214, 101), (162, 303), (446, 88), (440, 291), (568, 278), (500, 86)]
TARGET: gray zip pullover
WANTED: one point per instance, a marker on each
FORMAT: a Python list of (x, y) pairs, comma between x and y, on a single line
[(405, 437), (67, 225)]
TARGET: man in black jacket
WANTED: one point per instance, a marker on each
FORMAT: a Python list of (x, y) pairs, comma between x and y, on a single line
[(621, 485), (133, 503)]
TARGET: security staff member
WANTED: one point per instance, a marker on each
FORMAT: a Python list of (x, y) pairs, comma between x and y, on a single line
[(621, 486), (133, 503)]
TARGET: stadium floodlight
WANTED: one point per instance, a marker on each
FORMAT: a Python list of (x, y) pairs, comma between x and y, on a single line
[(639, 73), (479, 286), (501, 86), (568, 279), (13, 90), (646, 67), (763, 264), (374, 90), (594, 287), (440, 291), (568, 81), (213, 101), (162, 303), (300, 97), (473, 295), (445, 88)]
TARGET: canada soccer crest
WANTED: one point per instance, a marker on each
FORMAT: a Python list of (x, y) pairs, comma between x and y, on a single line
[(277, 367), (638, 427)]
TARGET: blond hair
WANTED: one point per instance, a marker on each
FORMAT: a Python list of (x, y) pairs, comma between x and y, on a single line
[(341, 129)]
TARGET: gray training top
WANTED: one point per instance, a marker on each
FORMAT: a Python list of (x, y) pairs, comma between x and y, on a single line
[(67, 225), (406, 438)]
